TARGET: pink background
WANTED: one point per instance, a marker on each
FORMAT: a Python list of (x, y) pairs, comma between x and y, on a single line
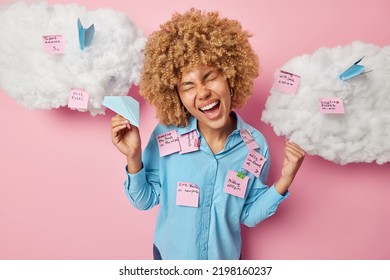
[(61, 192)]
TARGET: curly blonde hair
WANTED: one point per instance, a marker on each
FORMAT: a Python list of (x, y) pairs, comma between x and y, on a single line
[(190, 40)]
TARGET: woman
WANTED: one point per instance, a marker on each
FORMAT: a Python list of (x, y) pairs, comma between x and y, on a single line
[(204, 166)]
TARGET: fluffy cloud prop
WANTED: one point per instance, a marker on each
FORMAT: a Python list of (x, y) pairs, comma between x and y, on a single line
[(38, 80), (362, 134)]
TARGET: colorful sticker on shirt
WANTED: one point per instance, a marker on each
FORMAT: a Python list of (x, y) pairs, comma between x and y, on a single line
[(189, 142), (236, 185), (168, 143), (187, 194), (254, 162), (248, 139)]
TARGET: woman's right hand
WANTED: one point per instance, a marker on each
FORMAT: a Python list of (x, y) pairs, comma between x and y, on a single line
[(126, 138)]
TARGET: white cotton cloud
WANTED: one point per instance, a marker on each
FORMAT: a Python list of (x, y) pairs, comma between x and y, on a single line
[(362, 134), (38, 80)]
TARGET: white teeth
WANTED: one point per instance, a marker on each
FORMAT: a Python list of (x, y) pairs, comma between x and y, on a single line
[(208, 107)]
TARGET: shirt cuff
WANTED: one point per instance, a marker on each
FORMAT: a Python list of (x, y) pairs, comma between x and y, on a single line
[(136, 180), (273, 195)]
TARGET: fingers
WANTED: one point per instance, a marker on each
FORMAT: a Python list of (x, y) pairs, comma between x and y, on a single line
[(117, 124), (294, 152), (118, 120)]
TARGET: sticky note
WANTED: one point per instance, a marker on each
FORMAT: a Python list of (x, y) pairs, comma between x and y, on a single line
[(168, 143), (286, 82), (189, 142), (248, 139), (126, 106), (187, 194), (85, 34), (235, 185), (331, 105), (53, 44), (78, 99), (254, 163)]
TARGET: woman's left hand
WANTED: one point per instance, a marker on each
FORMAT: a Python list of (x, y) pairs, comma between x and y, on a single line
[(293, 158)]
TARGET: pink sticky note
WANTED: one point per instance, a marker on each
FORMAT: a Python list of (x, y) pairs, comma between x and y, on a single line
[(331, 106), (187, 194), (286, 82), (53, 44), (78, 99), (254, 163), (189, 142), (235, 185), (168, 143), (248, 139)]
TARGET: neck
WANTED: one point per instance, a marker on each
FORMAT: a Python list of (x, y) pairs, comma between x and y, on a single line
[(216, 138)]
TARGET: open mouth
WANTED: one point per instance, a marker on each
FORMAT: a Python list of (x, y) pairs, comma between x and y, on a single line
[(211, 108)]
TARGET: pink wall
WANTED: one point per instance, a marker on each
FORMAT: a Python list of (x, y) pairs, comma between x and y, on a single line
[(61, 193)]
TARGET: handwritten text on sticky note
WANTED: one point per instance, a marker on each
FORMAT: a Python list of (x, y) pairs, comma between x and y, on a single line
[(286, 82), (236, 185), (248, 139), (189, 142), (78, 99), (53, 44), (331, 106), (168, 143), (254, 163), (187, 194)]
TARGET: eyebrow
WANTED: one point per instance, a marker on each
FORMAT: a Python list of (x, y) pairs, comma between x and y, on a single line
[(204, 78)]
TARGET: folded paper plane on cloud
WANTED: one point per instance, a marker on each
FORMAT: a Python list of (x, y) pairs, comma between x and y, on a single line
[(353, 71), (85, 34), (125, 106)]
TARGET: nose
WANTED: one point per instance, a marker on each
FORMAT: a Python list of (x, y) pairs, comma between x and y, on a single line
[(203, 92)]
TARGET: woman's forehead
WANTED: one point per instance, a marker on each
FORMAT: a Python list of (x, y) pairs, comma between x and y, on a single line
[(198, 71)]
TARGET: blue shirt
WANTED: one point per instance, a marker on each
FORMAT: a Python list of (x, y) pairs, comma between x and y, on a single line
[(212, 230)]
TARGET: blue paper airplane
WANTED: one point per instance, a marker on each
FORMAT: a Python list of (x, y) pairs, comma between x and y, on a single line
[(125, 106), (353, 71), (85, 34)]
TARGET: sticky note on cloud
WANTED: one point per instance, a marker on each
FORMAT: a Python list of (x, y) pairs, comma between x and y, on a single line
[(286, 82), (125, 106)]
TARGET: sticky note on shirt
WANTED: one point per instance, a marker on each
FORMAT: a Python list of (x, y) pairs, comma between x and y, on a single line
[(286, 82), (168, 143), (331, 106), (78, 99), (248, 139), (235, 185), (187, 194), (53, 44), (189, 142), (126, 106), (254, 163)]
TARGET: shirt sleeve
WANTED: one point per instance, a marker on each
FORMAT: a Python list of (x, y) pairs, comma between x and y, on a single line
[(262, 201), (143, 188)]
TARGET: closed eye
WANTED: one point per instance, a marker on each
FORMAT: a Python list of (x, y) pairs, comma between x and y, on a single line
[(187, 89)]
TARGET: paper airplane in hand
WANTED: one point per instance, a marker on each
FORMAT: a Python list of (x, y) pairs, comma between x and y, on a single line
[(353, 71), (125, 106), (85, 34)]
